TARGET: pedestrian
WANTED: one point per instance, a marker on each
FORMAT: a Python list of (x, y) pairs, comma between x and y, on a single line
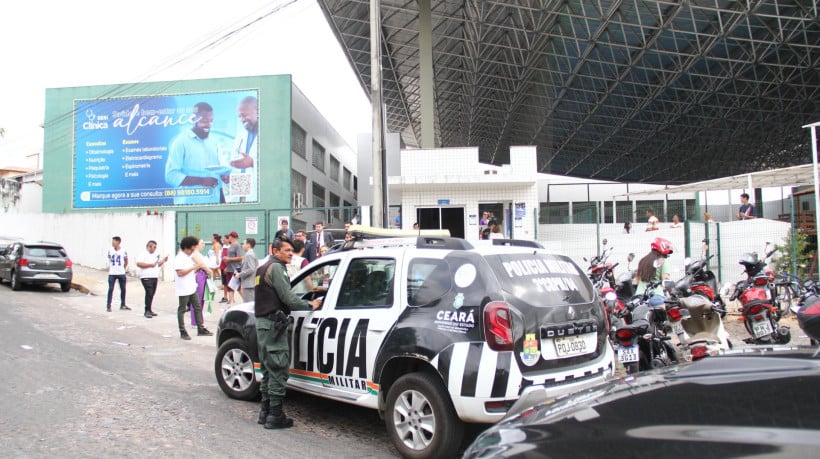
[(746, 211), (223, 264), (149, 264), (215, 255), (627, 226), (311, 251), (654, 267), (233, 264), (117, 267), (185, 286), (707, 218), (201, 277), (274, 302), (284, 230), (321, 238), (651, 220), (676, 223), (247, 274), (298, 261)]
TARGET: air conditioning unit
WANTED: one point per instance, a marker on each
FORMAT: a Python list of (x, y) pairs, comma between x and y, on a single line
[(298, 200)]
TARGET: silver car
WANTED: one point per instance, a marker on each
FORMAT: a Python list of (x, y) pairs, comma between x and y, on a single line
[(35, 262)]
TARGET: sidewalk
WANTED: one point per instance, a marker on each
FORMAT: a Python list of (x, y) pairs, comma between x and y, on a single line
[(94, 283)]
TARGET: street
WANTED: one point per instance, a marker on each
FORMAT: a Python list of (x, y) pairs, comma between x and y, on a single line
[(80, 382)]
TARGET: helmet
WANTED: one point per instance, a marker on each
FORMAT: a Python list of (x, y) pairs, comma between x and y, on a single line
[(749, 258), (662, 246)]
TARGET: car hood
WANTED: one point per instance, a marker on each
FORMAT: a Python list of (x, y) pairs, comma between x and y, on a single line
[(722, 406)]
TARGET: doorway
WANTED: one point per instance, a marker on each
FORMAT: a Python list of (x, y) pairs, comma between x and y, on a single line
[(449, 218)]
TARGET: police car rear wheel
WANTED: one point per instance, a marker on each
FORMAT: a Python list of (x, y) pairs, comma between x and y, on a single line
[(234, 370), (421, 419)]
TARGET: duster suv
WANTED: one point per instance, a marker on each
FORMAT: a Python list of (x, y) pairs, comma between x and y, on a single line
[(432, 333)]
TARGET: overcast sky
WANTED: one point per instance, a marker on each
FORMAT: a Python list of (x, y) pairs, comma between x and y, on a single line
[(52, 44)]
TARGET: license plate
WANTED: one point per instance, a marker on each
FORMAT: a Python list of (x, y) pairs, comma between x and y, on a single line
[(569, 346), (628, 354), (677, 327), (762, 328)]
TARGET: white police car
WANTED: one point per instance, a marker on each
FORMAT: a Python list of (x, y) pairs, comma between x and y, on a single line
[(432, 335)]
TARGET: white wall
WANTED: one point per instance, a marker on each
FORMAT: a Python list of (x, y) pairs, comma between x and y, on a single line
[(579, 240), (87, 237)]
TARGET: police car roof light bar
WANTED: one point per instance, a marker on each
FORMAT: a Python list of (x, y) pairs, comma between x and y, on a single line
[(518, 243)]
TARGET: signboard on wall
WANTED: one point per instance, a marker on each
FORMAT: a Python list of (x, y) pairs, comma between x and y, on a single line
[(166, 150)]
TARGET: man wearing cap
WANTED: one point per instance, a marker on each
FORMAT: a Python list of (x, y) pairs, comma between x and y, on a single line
[(233, 263)]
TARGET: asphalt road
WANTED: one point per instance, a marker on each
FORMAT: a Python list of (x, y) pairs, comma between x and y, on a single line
[(79, 382)]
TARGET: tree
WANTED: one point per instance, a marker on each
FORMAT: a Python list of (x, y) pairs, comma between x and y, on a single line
[(803, 255)]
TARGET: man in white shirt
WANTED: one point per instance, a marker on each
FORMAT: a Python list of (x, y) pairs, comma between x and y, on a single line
[(149, 264), (117, 266), (185, 286)]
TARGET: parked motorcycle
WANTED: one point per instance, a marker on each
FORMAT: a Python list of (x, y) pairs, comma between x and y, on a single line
[(808, 314), (599, 269), (700, 280), (696, 321), (641, 334), (760, 309)]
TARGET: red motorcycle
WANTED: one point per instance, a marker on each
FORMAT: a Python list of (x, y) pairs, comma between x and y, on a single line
[(759, 314)]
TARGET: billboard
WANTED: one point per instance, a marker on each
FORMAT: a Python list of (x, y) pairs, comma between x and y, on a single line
[(166, 150)]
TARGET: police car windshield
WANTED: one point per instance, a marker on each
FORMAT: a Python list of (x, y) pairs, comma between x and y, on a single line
[(541, 279)]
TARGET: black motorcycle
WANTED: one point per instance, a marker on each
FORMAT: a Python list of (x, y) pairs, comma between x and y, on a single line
[(641, 333)]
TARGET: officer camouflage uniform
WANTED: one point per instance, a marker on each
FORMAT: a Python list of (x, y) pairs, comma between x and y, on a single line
[(273, 304)]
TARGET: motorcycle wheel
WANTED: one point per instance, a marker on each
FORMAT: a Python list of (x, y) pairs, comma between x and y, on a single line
[(671, 354), (784, 296)]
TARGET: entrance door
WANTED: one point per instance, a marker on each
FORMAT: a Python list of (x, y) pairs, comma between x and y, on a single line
[(449, 218)]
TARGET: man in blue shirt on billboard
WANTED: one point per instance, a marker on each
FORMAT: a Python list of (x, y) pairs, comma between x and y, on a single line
[(193, 165)]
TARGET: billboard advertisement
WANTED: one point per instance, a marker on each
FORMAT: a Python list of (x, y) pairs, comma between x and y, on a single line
[(166, 150)]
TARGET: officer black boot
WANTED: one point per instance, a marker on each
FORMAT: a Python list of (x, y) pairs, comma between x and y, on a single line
[(276, 418), (263, 413)]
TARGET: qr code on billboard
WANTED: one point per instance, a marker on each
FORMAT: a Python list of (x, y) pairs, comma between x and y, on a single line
[(241, 185)]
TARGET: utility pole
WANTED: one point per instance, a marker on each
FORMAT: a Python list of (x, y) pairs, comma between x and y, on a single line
[(377, 210)]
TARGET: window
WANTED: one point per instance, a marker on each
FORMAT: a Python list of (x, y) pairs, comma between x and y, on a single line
[(334, 169), (318, 195), (427, 280), (585, 212), (368, 283), (318, 156), (335, 213), (554, 212), (355, 187), (654, 206), (298, 140), (346, 179), (623, 211), (298, 182), (320, 276)]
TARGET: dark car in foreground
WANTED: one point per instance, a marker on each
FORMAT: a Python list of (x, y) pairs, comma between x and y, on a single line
[(35, 262), (751, 402)]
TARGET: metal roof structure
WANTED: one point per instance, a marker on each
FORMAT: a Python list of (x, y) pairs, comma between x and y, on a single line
[(663, 92)]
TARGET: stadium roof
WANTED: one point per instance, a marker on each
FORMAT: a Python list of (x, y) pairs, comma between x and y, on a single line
[(629, 90)]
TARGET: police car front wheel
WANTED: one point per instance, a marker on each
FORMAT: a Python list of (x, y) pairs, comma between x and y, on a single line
[(234, 370), (420, 417)]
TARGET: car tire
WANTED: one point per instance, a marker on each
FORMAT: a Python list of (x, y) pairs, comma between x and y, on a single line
[(16, 285), (420, 417), (65, 286), (234, 370)]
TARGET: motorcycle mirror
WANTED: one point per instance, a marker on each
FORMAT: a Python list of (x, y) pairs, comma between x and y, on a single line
[(604, 242), (630, 257), (610, 296), (585, 259), (725, 289), (668, 284)]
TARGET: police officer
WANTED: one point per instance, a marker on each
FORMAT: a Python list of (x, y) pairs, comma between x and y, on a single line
[(273, 304)]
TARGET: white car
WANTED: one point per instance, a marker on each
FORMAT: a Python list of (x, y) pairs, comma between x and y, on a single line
[(432, 335)]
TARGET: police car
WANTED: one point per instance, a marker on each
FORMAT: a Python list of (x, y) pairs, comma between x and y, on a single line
[(432, 332)]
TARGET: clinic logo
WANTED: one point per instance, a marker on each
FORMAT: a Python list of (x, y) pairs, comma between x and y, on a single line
[(94, 121)]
